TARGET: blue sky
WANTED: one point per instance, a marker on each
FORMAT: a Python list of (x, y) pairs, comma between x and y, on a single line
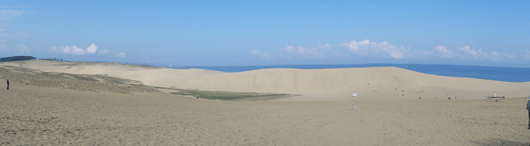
[(491, 33)]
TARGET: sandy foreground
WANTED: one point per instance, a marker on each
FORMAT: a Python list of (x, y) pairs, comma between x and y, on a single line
[(76, 110)]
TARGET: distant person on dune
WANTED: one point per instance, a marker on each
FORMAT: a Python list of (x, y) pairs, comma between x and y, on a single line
[(528, 108), (7, 84)]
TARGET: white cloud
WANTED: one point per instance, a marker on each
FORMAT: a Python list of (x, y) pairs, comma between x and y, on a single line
[(262, 55), (289, 52), (494, 55), (76, 50), (121, 55), (391, 50), (255, 52), (325, 46), (358, 46), (9, 15), (367, 47), (479, 54), (443, 52), (474, 53), (290, 48), (92, 49), (303, 51), (508, 55)]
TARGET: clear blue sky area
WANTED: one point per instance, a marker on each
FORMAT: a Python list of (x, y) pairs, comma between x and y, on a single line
[(490, 33)]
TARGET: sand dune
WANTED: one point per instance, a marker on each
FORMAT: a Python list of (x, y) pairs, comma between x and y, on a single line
[(311, 84), (62, 103), (287, 80)]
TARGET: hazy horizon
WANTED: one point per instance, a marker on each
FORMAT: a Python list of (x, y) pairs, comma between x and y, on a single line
[(241, 33)]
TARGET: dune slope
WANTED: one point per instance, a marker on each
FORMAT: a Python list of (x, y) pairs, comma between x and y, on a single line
[(312, 84)]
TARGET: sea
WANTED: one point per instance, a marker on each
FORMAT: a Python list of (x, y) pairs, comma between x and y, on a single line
[(506, 74)]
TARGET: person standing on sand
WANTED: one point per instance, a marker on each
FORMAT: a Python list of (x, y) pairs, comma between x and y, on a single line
[(528, 108), (7, 84)]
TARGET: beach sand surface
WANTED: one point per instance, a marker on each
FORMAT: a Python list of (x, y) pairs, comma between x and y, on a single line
[(34, 114)]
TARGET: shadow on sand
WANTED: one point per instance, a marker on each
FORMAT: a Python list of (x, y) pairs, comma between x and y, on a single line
[(499, 142)]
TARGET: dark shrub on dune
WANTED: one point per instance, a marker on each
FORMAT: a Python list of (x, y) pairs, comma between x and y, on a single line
[(17, 58)]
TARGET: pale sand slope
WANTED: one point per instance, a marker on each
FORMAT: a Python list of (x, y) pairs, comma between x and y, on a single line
[(49, 116), (311, 84)]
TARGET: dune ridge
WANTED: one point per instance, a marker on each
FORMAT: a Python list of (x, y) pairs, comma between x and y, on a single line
[(312, 84)]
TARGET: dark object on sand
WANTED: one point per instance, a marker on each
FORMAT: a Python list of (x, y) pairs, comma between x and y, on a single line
[(449, 98), (7, 84), (528, 108), (497, 98)]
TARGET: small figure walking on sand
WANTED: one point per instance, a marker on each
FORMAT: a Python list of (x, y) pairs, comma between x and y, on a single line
[(7, 84), (528, 108)]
